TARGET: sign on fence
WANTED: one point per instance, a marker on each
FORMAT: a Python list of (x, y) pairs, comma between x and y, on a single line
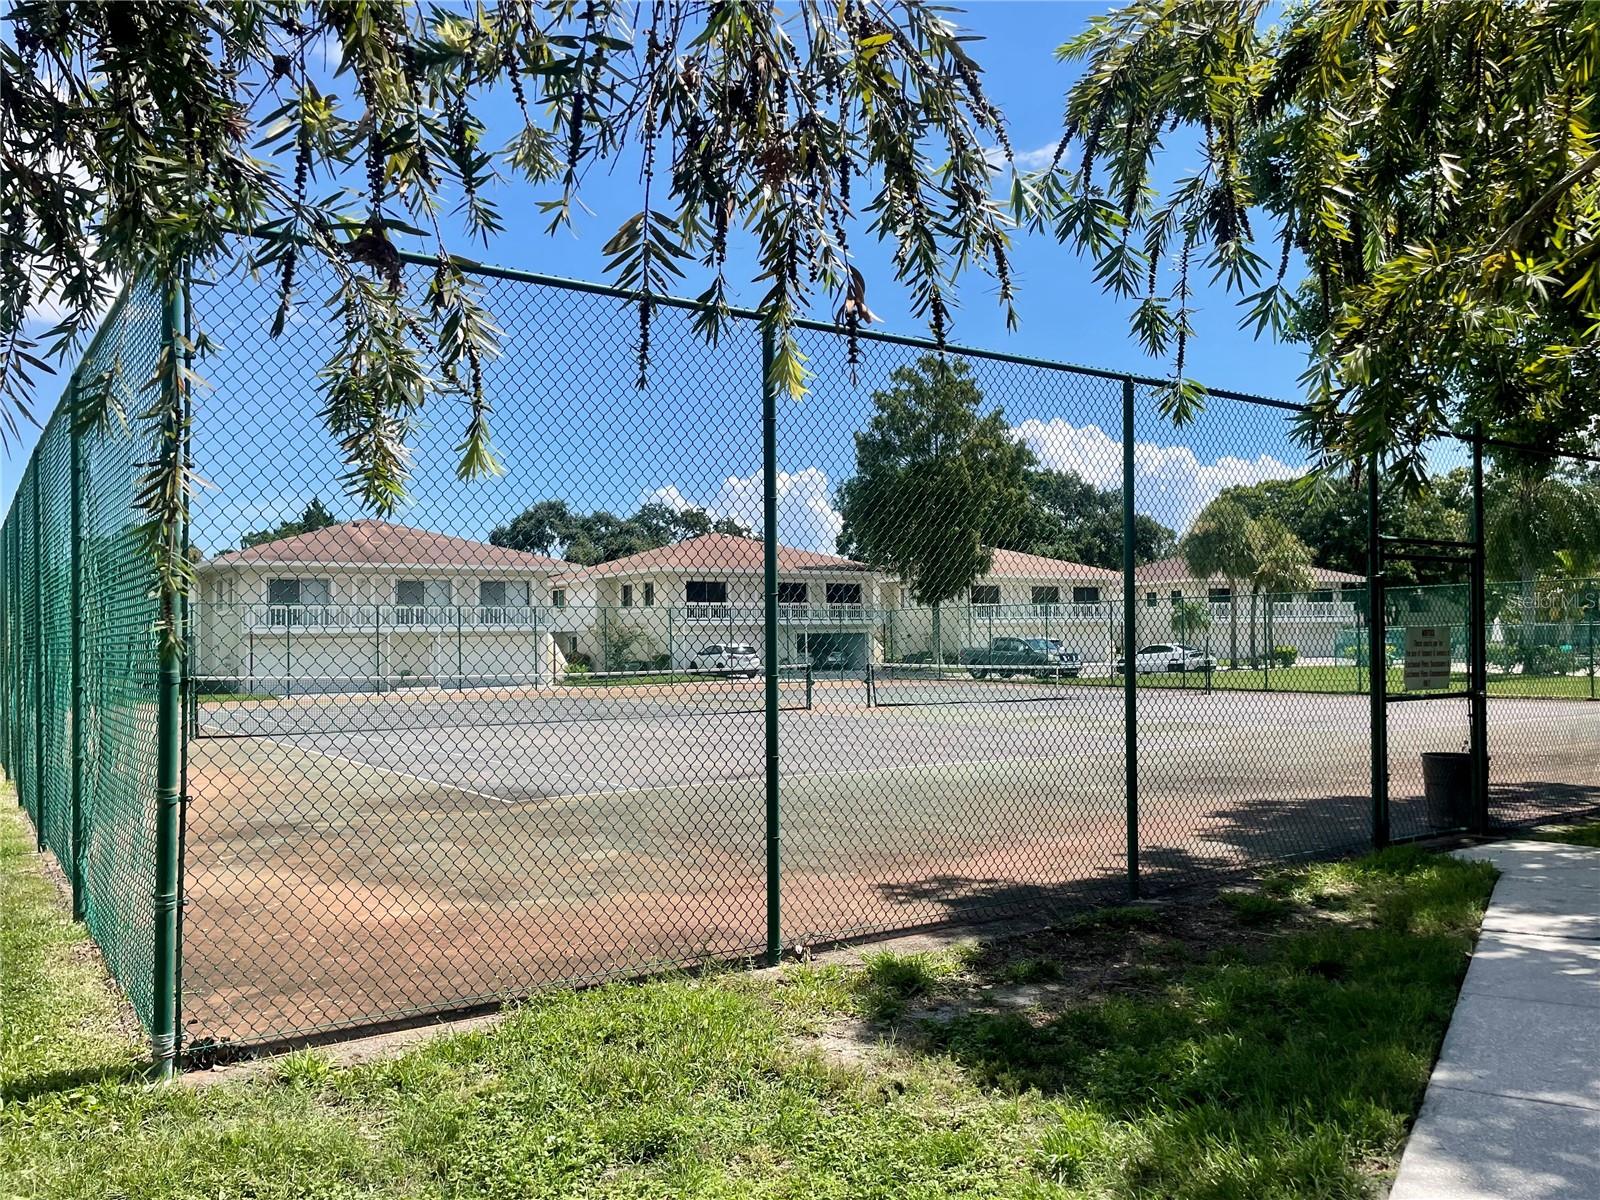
[(1427, 658)]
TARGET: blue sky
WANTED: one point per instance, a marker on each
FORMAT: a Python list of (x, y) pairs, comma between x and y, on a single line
[(688, 439)]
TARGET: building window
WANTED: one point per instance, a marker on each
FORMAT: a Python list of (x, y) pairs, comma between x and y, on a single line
[(298, 592), (986, 593), (649, 595), (502, 593), (558, 597), (1047, 595), (1219, 595), (1150, 600), (627, 595), (1176, 597), (844, 593), (1321, 597), (422, 593), (705, 591), (1086, 595), (792, 593)]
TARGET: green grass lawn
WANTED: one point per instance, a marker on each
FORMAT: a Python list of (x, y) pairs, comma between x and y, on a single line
[(1351, 680), (1586, 834), (1268, 1043)]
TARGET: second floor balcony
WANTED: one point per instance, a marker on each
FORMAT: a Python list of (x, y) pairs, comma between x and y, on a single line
[(333, 618)]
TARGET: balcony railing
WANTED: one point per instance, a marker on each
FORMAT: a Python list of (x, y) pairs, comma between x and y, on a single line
[(335, 617), (1077, 611), (788, 614), (1291, 610)]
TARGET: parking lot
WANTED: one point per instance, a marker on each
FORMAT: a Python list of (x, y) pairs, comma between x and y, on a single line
[(339, 864)]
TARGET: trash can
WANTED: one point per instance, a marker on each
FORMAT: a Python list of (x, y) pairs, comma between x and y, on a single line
[(1447, 788)]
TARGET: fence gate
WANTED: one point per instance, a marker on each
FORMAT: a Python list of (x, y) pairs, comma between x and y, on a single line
[(1455, 783)]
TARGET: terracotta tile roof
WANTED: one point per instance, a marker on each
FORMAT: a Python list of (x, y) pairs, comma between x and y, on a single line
[(372, 543), (1175, 570), (715, 552), (1014, 564)]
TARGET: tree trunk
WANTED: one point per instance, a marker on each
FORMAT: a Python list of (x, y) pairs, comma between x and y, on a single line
[(1233, 626)]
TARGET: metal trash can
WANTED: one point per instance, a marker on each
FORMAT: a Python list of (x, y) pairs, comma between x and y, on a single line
[(1447, 788)]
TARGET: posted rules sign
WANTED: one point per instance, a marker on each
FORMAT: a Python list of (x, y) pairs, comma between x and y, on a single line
[(1427, 658)]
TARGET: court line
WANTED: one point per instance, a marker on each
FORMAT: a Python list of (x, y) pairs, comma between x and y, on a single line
[(357, 762)]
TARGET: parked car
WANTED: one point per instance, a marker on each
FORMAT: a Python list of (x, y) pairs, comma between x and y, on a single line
[(830, 660), (1007, 656), (734, 657), (1168, 656)]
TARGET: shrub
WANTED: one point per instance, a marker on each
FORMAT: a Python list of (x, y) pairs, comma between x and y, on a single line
[(1548, 660), (1284, 656)]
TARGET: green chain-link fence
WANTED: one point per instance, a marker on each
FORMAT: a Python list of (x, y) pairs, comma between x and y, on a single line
[(80, 661), (705, 672)]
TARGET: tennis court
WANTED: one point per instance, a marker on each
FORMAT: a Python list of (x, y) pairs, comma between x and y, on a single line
[(340, 864)]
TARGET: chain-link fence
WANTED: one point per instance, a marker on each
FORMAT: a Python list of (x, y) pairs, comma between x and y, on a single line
[(707, 673)]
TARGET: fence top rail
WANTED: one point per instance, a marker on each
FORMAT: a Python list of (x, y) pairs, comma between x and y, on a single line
[(588, 287)]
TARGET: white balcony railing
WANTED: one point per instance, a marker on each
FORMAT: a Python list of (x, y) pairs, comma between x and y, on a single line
[(788, 614), (1080, 611), (335, 617), (1287, 610)]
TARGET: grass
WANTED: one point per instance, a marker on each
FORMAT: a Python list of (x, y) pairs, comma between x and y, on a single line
[(59, 1021), (1274, 1046), (1587, 834), (1343, 680)]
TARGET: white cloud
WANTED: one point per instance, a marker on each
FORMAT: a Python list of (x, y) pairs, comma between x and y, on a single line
[(1036, 159), (807, 519), (1171, 483)]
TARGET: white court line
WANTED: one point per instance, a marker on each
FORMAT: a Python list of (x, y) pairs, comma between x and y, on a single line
[(356, 762)]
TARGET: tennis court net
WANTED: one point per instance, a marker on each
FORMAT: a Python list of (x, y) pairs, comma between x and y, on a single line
[(922, 683), (348, 705)]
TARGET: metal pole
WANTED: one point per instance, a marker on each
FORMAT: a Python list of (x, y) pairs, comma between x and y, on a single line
[(377, 648), (1130, 691), (75, 599), (1377, 665), (769, 572), (1477, 650), (168, 815)]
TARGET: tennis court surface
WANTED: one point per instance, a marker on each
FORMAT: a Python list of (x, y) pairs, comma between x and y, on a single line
[(378, 857)]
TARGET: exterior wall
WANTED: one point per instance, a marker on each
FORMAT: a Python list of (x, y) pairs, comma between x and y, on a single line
[(362, 639)]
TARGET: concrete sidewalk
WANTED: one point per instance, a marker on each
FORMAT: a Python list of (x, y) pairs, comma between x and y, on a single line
[(1513, 1107)]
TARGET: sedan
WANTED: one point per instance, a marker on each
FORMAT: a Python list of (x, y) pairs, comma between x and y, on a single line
[(1168, 656), (733, 657)]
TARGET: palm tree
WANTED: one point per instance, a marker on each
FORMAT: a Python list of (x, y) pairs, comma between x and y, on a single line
[(1532, 513), (1222, 542), (1190, 619), (1283, 564)]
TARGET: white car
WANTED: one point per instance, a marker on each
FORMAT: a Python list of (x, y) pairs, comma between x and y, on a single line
[(1169, 656), (733, 657)]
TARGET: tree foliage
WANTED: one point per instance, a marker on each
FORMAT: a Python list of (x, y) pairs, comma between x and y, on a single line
[(550, 527), (314, 516), (138, 137), (1069, 518), (939, 482), (1412, 187)]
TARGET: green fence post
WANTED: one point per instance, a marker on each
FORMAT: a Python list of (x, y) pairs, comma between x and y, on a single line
[(1130, 691), (1591, 660), (1478, 651), (75, 593), (769, 572), (168, 815), (1377, 666)]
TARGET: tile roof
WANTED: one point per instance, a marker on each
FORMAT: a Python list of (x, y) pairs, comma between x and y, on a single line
[(372, 543), (716, 552), (1014, 564), (1175, 570)]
